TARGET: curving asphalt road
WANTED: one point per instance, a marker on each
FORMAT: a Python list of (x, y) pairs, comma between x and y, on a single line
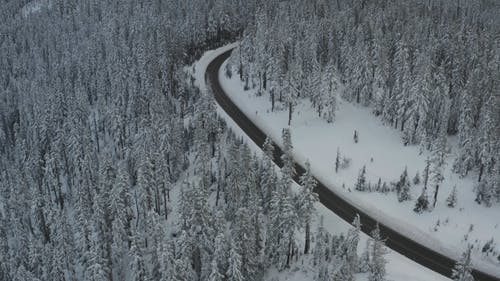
[(399, 243)]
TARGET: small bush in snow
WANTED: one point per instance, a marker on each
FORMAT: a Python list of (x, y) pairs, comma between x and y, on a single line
[(416, 179), (228, 73), (378, 187), (385, 188), (436, 227), (337, 161), (422, 203), (451, 201), (483, 193), (489, 247), (346, 162)]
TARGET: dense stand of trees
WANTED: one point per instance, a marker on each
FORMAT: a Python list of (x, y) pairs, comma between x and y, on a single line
[(427, 68), (114, 167)]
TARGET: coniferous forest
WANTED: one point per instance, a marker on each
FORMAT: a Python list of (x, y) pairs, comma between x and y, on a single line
[(114, 166), (427, 68)]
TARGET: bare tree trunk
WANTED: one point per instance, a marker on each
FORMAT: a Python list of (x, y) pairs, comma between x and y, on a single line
[(481, 171), (272, 101), (435, 196), (165, 202), (308, 238)]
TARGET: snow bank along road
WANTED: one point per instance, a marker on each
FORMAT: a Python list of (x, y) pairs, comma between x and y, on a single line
[(405, 246)]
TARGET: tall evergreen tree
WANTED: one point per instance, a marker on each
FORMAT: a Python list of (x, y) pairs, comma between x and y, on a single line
[(305, 203), (463, 267), (377, 271)]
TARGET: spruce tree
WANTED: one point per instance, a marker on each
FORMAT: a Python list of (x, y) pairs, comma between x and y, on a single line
[(215, 275), (288, 168), (422, 203), (451, 201), (438, 160), (319, 243), (416, 179), (364, 259), (305, 203), (337, 161), (463, 267), (403, 187), (350, 249), (234, 265), (361, 181), (377, 262), (137, 266)]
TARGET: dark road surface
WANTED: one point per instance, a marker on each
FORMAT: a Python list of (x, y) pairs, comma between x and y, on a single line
[(399, 243)]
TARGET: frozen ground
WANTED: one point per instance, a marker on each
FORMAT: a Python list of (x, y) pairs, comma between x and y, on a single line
[(379, 148), (399, 267)]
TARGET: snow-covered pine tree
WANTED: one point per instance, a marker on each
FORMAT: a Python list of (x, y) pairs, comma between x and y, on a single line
[(319, 243), (350, 248), (495, 181), (385, 188), (183, 264), (403, 187), (245, 243), (305, 203), (361, 181), (422, 203), (416, 179), (466, 127), (377, 262), (364, 259), (439, 150), (463, 267), (96, 269), (268, 182), (234, 265), (404, 89), (329, 95), (288, 169), (484, 192), (282, 224), (215, 275), (5, 265), (268, 148), (200, 229), (345, 272), (378, 186), (451, 201), (120, 208), (137, 265), (337, 161)]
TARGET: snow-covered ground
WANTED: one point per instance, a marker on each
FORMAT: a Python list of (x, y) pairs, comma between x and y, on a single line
[(446, 229), (398, 268)]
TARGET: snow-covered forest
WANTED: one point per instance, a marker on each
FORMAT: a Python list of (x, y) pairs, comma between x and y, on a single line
[(113, 166), (427, 68)]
